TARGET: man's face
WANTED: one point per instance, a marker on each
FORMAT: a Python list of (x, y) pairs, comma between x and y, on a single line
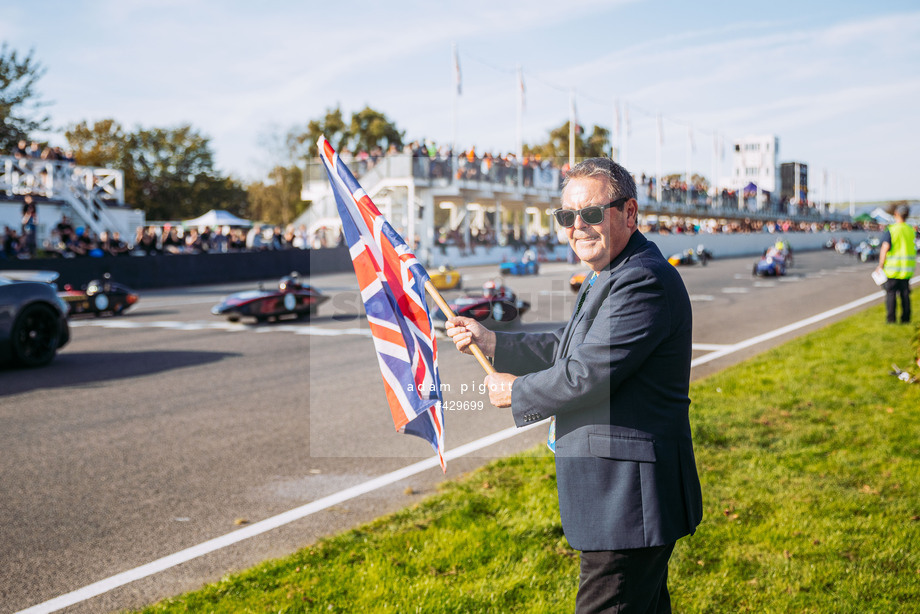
[(597, 244)]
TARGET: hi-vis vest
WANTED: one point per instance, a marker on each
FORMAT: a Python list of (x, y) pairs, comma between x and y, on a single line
[(901, 258)]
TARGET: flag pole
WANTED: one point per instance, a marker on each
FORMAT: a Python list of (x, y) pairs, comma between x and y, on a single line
[(445, 308)]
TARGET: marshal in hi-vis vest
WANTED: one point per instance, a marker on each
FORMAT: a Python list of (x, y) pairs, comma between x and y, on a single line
[(901, 258)]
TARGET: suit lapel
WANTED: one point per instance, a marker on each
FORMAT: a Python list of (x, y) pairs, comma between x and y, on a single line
[(597, 292), (594, 293), (567, 332)]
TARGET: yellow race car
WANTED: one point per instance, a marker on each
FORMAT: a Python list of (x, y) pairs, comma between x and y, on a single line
[(446, 278)]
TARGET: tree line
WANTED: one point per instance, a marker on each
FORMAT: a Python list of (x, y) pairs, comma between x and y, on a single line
[(170, 173)]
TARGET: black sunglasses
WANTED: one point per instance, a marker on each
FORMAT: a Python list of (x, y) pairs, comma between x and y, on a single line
[(589, 215)]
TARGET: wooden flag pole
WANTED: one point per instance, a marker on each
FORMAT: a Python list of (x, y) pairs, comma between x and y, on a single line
[(442, 304)]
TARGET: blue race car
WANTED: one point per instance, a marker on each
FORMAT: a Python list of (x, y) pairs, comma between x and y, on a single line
[(772, 264), (527, 265)]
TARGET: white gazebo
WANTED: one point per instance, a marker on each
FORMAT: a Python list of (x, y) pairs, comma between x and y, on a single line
[(217, 217)]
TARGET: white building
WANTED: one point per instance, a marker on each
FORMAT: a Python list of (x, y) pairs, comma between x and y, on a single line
[(755, 160)]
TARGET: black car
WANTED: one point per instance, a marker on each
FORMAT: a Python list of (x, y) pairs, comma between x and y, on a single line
[(33, 318), (99, 297)]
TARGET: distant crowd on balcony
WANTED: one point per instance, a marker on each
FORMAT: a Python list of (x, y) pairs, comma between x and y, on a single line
[(437, 162), (34, 151), (31, 161)]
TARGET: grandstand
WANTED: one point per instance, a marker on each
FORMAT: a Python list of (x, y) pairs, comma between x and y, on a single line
[(422, 196), (92, 197)]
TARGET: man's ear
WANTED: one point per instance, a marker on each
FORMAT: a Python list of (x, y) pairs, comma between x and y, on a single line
[(632, 213)]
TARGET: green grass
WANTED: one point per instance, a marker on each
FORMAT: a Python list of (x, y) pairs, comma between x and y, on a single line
[(809, 456)]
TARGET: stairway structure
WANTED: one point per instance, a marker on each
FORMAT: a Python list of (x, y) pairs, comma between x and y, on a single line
[(95, 197)]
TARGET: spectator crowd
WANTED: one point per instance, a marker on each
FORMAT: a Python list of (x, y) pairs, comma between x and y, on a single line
[(69, 241), (429, 161)]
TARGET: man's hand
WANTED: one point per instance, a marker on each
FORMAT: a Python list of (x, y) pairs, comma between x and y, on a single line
[(465, 331), (500, 388)]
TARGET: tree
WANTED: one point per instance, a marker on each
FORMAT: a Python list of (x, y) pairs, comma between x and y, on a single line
[(557, 147), (332, 126), (370, 129), (19, 104), (169, 172), (166, 168), (364, 131), (220, 193), (277, 200), (102, 144)]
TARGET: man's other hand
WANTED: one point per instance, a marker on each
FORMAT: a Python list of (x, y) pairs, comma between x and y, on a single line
[(499, 385)]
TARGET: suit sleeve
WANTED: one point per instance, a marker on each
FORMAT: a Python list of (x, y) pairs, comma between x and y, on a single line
[(608, 346), (520, 353)]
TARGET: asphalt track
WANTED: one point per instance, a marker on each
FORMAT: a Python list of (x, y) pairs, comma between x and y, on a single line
[(160, 430)]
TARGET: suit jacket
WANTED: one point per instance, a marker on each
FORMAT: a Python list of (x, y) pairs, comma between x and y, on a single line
[(616, 377)]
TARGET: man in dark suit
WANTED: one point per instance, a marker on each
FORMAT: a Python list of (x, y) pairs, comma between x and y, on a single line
[(616, 378)]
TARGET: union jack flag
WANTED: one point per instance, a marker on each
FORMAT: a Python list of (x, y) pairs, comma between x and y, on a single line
[(392, 284)]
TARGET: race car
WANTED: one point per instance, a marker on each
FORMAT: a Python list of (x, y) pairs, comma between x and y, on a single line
[(446, 278), (772, 264), (290, 299), (527, 265), (700, 255), (869, 249), (33, 318), (497, 305), (576, 280), (99, 297)]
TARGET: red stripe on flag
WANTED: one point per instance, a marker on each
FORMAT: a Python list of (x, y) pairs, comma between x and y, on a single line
[(365, 269), (399, 416), (386, 334)]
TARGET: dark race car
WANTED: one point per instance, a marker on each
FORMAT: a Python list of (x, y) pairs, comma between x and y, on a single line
[(290, 299), (99, 297), (700, 255), (33, 319), (496, 306)]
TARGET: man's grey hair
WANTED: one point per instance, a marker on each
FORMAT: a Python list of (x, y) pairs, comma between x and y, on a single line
[(621, 183), (903, 211)]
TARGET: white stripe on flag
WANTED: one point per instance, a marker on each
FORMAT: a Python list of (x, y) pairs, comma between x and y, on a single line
[(393, 350), (384, 323), (355, 212)]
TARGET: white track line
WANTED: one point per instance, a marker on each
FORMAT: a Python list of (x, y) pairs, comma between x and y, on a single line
[(731, 349), (167, 562)]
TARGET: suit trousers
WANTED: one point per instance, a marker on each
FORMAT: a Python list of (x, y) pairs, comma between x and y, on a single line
[(894, 289), (624, 581)]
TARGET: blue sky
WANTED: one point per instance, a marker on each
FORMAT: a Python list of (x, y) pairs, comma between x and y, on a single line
[(838, 82)]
